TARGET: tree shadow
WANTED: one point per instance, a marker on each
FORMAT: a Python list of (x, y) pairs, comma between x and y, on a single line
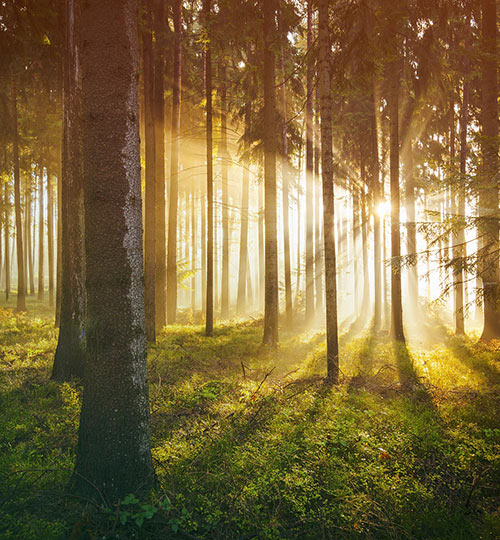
[(474, 359)]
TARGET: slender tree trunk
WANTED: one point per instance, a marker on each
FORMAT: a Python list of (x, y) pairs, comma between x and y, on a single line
[(261, 247), (203, 205), (6, 240), (41, 280), (150, 187), (318, 242), (332, 349), (396, 300), (113, 455), (174, 170), (59, 244), (241, 302), (270, 146), (160, 205), (309, 304), (285, 181), (460, 253), (488, 192), (377, 225), (29, 247), (224, 179), (21, 282), (69, 357), (209, 317), (50, 237), (193, 253)]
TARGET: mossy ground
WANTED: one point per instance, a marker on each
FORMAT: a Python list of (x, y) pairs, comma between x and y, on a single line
[(247, 443)]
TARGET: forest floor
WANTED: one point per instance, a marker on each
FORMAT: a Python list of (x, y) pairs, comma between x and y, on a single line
[(247, 443)]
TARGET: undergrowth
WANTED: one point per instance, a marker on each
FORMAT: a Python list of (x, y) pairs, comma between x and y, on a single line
[(247, 443)]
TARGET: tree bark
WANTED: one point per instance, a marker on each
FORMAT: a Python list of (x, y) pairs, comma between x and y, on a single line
[(332, 348), (241, 301), (488, 188), (396, 300), (21, 282), (113, 454), (209, 301), (150, 178), (309, 304), (41, 285), (6, 240), (271, 308), (69, 357), (174, 171), (160, 205), (460, 252), (50, 237)]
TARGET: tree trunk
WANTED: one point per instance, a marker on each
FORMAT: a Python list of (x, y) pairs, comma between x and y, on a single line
[(318, 242), (21, 282), (260, 288), (209, 317), (69, 357), (6, 240), (488, 192), (159, 123), (59, 245), (113, 454), (377, 225), (396, 300), (241, 302), (41, 284), (29, 246), (270, 336), (50, 237), (174, 171), (224, 180), (193, 254), (309, 304), (411, 226), (460, 253), (332, 348), (150, 181)]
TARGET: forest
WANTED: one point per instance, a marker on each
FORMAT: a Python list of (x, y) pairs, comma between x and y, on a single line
[(249, 269)]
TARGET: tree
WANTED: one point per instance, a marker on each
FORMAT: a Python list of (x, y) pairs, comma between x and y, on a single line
[(332, 347), (174, 170), (488, 185), (69, 357), (209, 301), (113, 454), (270, 147)]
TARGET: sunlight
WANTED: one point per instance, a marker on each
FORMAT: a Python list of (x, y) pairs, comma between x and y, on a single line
[(384, 208)]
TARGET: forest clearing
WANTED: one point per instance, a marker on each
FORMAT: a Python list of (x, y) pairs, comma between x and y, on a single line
[(249, 269)]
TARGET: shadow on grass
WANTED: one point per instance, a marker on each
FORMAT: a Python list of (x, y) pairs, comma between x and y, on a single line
[(474, 359)]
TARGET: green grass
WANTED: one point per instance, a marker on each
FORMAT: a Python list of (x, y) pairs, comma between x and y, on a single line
[(247, 443)]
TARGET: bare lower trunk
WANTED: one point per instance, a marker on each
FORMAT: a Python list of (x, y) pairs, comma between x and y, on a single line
[(50, 237), (41, 252), (241, 303)]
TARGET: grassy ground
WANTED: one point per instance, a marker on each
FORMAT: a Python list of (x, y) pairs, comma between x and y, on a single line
[(248, 444)]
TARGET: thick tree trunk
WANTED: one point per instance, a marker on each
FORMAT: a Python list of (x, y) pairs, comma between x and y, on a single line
[(209, 317), (225, 201), (50, 237), (160, 205), (309, 300), (241, 301), (332, 348), (411, 226), (150, 178), (113, 455), (69, 357), (396, 300), (271, 308), (41, 284), (488, 192), (21, 282), (174, 171)]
